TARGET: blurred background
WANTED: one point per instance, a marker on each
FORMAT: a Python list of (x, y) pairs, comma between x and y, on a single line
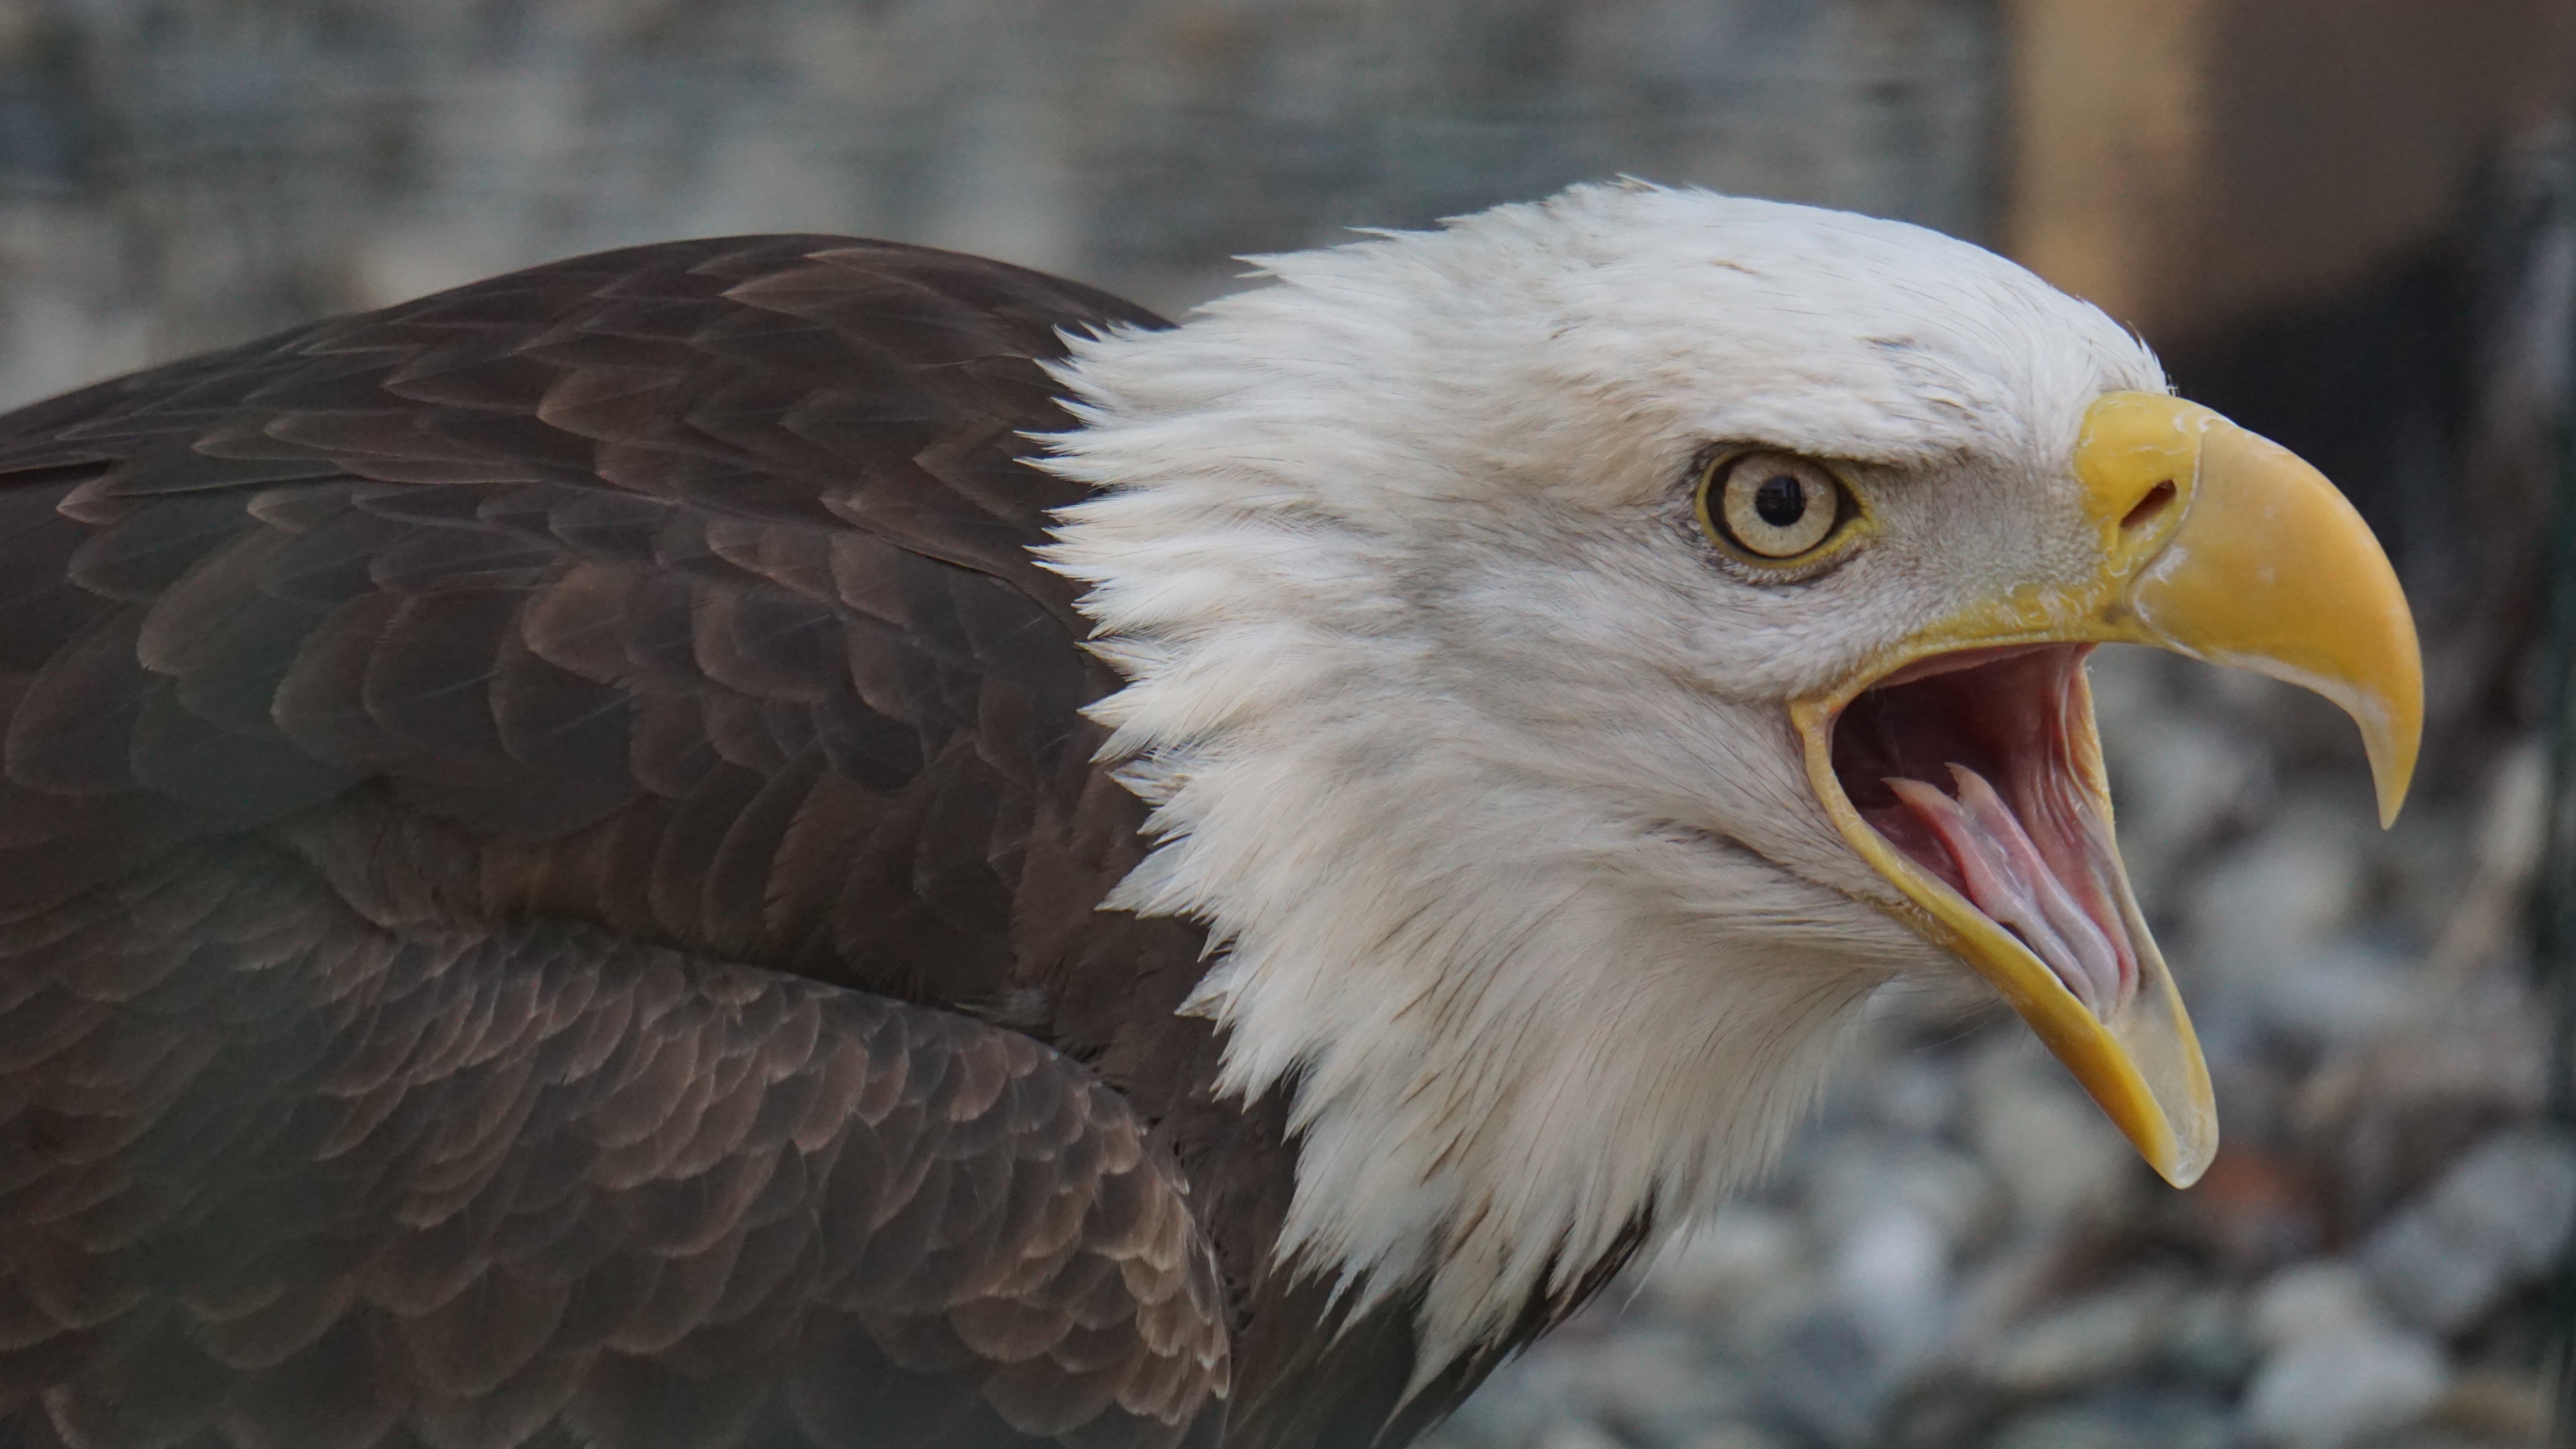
[(2344, 222)]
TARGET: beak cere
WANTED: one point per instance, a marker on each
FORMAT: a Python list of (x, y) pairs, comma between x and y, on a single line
[(1965, 766)]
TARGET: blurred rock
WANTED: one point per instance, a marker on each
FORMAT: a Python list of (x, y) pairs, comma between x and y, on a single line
[(1654, 1387), (2323, 1299), (2331, 1390), (2493, 1408), (1576, 1434), (2496, 1221), (2507, 835), (1891, 1271), (1823, 1376), (2207, 1338), (2070, 1428), (1745, 1266), (1918, 1095), (2049, 1145), (1896, 1211), (1734, 1436), (2344, 991), (2120, 1424), (2105, 1336), (1865, 1174), (2265, 912), (2255, 1208)]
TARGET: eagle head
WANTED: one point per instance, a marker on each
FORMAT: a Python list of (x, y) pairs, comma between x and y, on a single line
[(1577, 655)]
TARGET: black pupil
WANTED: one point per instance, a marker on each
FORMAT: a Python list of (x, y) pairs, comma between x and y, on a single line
[(1780, 501)]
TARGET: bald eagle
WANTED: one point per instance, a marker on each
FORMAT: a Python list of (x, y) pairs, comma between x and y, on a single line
[(791, 841)]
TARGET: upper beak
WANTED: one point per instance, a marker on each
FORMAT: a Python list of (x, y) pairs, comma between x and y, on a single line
[(2214, 543)]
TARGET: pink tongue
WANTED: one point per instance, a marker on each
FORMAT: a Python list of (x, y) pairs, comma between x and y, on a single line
[(2009, 881)]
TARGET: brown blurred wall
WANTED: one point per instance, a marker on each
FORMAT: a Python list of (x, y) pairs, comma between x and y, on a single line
[(2190, 164)]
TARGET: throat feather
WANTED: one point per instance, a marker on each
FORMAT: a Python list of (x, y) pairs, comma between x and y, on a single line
[(1512, 1047)]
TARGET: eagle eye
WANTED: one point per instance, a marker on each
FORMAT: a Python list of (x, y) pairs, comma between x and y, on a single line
[(1772, 506)]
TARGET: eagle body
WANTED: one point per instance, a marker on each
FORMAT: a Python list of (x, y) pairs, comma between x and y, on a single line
[(791, 841), (551, 846)]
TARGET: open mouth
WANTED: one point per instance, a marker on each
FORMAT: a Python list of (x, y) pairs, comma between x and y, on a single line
[(1980, 768), (1971, 778)]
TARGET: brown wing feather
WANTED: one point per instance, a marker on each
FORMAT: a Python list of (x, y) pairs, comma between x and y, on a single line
[(709, 558), (273, 1175), (428, 736)]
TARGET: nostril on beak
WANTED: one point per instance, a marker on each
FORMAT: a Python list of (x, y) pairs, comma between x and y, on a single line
[(2148, 509)]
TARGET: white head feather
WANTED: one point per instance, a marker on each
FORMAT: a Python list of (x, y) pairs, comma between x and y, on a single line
[(1464, 744)]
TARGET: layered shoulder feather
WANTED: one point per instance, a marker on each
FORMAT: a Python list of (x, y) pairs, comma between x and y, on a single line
[(547, 864)]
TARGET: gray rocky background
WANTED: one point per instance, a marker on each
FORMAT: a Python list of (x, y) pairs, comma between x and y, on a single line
[(1961, 1252), (179, 173)]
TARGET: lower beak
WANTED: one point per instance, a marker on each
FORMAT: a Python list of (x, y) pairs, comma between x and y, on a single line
[(2220, 545)]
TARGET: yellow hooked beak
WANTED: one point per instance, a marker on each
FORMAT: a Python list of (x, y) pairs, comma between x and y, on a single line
[(2218, 544)]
